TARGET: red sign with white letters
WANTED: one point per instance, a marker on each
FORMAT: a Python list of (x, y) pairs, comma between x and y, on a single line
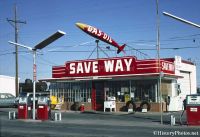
[(111, 67)]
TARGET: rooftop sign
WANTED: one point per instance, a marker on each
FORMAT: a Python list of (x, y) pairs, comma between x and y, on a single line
[(111, 66)]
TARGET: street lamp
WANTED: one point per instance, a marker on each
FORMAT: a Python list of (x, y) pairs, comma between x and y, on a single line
[(40, 46), (181, 19)]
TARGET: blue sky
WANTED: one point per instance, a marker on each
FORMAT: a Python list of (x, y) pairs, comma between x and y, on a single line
[(131, 21)]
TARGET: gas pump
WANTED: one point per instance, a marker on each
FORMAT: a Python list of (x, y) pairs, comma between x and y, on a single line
[(193, 109), (23, 107), (43, 108)]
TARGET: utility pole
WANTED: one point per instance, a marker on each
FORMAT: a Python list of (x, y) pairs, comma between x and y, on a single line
[(159, 65), (14, 22)]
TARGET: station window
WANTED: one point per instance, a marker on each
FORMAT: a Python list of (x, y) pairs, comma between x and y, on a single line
[(118, 89), (144, 90), (72, 91), (137, 90)]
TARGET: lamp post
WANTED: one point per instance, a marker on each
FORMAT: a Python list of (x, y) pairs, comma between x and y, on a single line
[(40, 46), (181, 20)]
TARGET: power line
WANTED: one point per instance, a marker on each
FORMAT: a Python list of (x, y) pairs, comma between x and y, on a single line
[(185, 36), (172, 48), (136, 49), (5, 50), (47, 62), (145, 42), (139, 51)]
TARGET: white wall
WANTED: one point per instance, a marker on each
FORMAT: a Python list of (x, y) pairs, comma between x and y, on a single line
[(7, 84), (188, 84)]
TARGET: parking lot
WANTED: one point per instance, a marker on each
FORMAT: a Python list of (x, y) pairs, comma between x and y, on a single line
[(96, 124)]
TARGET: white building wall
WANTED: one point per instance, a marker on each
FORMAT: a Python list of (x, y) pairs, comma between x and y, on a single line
[(188, 83), (7, 84)]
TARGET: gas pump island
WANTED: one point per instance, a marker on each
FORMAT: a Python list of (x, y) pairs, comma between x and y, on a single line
[(25, 108), (193, 110)]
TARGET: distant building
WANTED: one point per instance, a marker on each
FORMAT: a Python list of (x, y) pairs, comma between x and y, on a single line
[(7, 85)]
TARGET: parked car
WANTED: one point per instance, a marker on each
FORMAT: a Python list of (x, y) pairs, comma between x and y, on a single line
[(7, 100)]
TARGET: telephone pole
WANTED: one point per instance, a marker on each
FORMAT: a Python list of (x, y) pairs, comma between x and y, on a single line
[(14, 22), (158, 57)]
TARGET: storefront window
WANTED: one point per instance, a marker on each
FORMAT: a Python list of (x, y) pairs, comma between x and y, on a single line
[(144, 90), (122, 90), (116, 89), (72, 91), (137, 90)]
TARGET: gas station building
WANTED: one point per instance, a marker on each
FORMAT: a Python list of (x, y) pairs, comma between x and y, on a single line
[(94, 81)]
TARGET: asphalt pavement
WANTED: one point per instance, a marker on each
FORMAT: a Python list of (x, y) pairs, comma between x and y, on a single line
[(97, 124)]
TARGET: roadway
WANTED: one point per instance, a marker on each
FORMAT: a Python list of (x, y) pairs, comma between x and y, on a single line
[(92, 124)]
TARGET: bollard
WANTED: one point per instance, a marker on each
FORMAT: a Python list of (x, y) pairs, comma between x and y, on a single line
[(57, 116), (173, 120), (11, 115)]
